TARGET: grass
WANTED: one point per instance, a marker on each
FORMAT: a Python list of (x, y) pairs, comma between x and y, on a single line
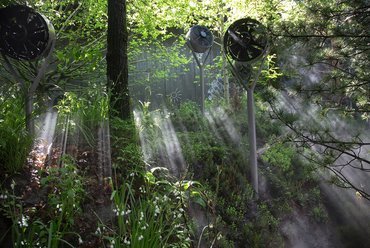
[(15, 142)]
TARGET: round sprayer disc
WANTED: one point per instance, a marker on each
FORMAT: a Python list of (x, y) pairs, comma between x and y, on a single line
[(24, 33), (199, 39), (246, 40)]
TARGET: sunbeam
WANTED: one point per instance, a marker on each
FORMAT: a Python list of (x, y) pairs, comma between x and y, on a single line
[(44, 139), (158, 136)]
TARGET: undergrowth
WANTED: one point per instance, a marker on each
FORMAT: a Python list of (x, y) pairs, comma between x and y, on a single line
[(15, 142)]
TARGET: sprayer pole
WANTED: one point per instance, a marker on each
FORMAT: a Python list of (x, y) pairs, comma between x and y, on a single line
[(201, 77), (252, 140), (201, 69)]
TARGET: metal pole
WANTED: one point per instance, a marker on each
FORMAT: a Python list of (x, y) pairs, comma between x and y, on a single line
[(64, 141), (201, 70), (30, 123), (201, 75), (252, 140), (252, 129)]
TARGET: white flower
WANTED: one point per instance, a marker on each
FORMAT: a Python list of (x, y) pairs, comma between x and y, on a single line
[(140, 237), (112, 243), (80, 241), (126, 241), (12, 185), (98, 231), (157, 210), (219, 236), (23, 221), (141, 215), (132, 174), (2, 196), (59, 207)]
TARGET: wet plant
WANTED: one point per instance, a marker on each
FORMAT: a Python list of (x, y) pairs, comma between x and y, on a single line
[(83, 113), (24, 231), (66, 193), (50, 230), (15, 142), (152, 214)]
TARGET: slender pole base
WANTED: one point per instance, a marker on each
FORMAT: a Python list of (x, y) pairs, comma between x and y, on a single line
[(30, 123), (201, 69), (252, 141)]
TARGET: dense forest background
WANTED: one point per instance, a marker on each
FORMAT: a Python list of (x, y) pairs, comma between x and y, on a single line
[(122, 156)]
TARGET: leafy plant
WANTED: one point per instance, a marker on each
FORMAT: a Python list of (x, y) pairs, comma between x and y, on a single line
[(29, 230), (280, 155), (64, 199), (15, 142), (149, 215), (25, 232), (319, 213)]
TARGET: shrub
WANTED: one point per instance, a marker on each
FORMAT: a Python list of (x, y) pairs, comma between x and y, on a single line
[(15, 142)]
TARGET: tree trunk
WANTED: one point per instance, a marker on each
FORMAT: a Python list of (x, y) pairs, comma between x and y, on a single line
[(117, 68)]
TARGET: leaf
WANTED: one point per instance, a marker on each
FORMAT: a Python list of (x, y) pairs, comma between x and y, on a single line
[(200, 201), (149, 177), (188, 184), (113, 194)]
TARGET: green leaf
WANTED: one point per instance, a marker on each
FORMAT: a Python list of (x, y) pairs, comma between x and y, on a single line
[(200, 201), (113, 194), (149, 177)]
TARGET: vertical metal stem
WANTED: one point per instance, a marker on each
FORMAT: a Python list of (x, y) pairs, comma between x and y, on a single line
[(30, 123), (252, 140), (225, 77), (64, 141), (201, 76)]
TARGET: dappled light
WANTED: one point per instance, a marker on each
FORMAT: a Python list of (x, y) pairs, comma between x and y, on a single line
[(163, 142), (162, 124)]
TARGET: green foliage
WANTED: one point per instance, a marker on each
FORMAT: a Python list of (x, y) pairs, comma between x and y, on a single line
[(66, 193), (24, 231), (15, 143), (188, 116), (151, 214), (92, 105), (64, 199), (262, 232), (280, 155), (84, 113), (319, 213), (214, 159)]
